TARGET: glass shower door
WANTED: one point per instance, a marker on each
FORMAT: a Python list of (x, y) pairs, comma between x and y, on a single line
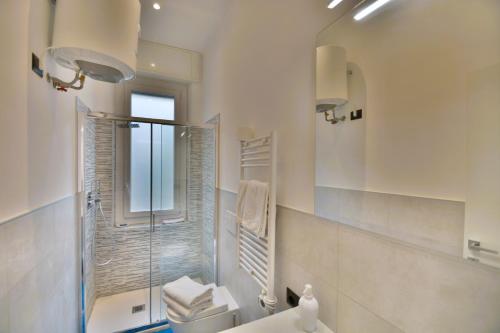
[(149, 219), (184, 207), (169, 211)]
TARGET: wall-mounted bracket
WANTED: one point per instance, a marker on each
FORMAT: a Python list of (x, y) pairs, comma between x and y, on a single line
[(61, 85), (329, 111)]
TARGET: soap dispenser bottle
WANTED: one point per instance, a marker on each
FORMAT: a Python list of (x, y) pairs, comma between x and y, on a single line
[(308, 308)]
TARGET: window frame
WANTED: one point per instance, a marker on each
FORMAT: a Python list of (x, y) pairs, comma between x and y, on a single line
[(159, 88)]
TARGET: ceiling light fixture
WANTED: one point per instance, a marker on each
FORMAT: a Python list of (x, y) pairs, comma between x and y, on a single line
[(156, 6), (153, 65), (333, 3), (370, 9)]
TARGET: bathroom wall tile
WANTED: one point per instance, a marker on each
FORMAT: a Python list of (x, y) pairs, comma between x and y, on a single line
[(43, 246), (354, 318), (291, 275), (4, 244), (25, 302), (4, 313), (417, 290), (31, 239), (4, 288), (313, 249), (21, 250), (49, 317), (431, 223), (381, 284), (437, 224), (239, 283), (302, 256)]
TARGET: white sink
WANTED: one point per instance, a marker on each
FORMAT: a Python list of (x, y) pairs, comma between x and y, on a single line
[(287, 321)]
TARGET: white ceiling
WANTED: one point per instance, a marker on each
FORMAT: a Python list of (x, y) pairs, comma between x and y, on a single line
[(186, 24)]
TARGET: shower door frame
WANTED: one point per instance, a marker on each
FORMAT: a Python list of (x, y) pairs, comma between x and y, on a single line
[(83, 113)]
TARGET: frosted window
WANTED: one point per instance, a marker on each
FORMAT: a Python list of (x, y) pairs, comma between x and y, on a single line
[(157, 107)]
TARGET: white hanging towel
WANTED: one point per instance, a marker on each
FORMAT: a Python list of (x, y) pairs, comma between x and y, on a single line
[(252, 204), (187, 292)]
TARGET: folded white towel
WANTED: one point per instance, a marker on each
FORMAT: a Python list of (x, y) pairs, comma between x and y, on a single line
[(219, 305), (187, 292), (184, 312), (252, 205)]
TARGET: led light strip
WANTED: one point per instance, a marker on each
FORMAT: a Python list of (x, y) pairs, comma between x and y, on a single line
[(370, 9), (334, 3)]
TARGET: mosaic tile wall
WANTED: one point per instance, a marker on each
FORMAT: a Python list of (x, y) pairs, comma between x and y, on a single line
[(208, 216), (178, 249), (90, 218)]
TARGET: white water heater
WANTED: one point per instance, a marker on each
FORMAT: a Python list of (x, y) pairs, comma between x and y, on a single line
[(97, 38), (331, 75)]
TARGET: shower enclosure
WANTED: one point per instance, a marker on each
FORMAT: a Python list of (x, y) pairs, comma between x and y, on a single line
[(148, 216)]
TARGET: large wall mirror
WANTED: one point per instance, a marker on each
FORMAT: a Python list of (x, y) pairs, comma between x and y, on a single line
[(413, 151)]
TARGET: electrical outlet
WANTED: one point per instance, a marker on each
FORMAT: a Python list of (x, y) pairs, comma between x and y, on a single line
[(292, 298)]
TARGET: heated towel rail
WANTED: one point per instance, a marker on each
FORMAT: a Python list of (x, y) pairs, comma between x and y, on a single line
[(258, 161)]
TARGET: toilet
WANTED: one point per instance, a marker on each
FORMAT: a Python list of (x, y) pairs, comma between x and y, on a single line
[(223, 315)]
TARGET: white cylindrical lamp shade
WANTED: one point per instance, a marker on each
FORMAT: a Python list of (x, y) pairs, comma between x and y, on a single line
[(98, 37)]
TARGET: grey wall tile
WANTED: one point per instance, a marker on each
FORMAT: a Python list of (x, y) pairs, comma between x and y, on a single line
[(4, 286), (314, 249), (240, 284), (354, 318), (44, 246), (299, 260), (372, 283), (431, 223), (417, 290), (4, 313), (291, 275), (4, 263)]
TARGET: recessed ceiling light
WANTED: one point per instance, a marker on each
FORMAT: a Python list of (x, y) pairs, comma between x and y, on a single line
[(153, 65), (370, 9), (333, 3), (156, 6)]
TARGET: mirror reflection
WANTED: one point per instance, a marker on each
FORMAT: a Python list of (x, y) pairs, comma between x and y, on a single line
[(408, 124)]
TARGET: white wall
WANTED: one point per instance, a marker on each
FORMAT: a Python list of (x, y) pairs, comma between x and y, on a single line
[(170, 62), (37, 124), (259, 73), (482, 211), (415, 57)]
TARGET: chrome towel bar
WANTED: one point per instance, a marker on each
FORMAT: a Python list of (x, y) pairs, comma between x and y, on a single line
[(476, 246)]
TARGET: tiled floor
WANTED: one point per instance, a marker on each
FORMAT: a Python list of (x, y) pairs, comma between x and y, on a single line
[(114, 313)]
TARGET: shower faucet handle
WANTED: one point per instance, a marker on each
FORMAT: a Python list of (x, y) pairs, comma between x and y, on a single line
[(90, 201)]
